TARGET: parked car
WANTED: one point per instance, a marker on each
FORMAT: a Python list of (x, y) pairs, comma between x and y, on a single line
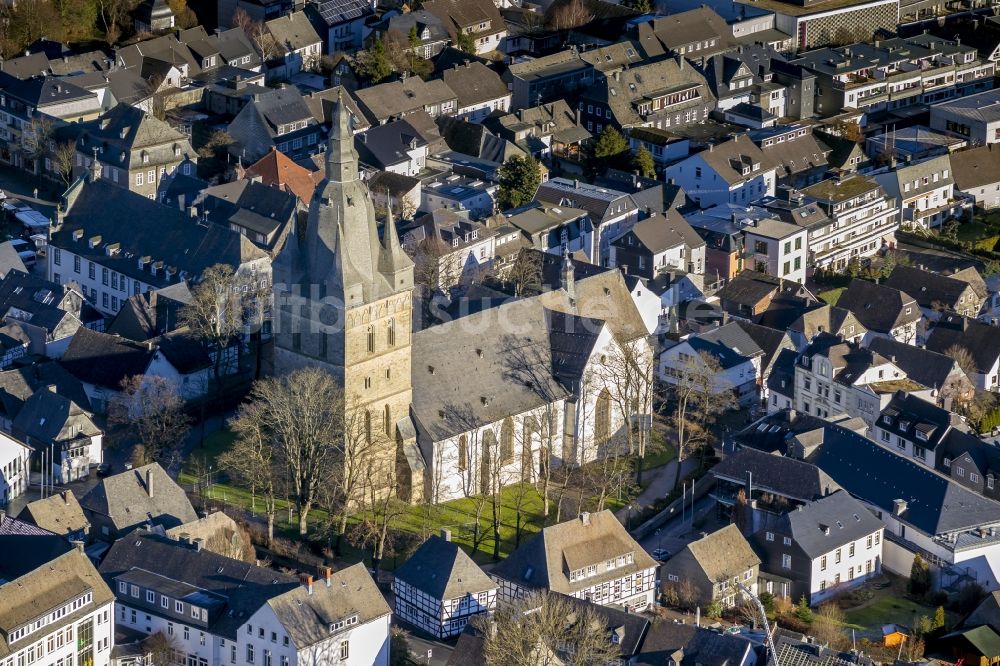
[(104, 469), (661, 554)]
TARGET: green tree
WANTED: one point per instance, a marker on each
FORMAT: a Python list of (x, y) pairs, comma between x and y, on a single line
[(519, 178), (610, 144), (466, 42), (374, 62), (938, 618), (714, 610), (644, 6), (803, 612), (413, 37), (920, 576), (643, 162)]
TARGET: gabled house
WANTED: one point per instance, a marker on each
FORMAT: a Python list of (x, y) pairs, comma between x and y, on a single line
[(885, 311), (395, 99), (120, 503), (450, 247), (680, 644), (750, 293), (611, 211), (977, 174), (135, 150), (396, 147), (15, 469), (924, 192), (279, 119), (834, 377), (825, 318), (928, 368), (738, 356), (800, 158), (299, 45), (60, 432), (59, 513), (695, 34), (742, 76), (936, 293), (278, 170), (824, 547), (479, 89), (663, 94), (656, 244), (432, 35), (548, 130), (592, 558), (548, 78), (970, 461), (258, 212), (778, 248), (439, 589), (733, 172), (715, 566), (980, 340), (479, 19)]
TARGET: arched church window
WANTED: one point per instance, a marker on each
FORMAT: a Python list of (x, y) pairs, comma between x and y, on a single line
[(371, 339)]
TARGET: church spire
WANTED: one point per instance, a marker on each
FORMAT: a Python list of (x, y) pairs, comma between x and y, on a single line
[(341, 158), (392, 259)]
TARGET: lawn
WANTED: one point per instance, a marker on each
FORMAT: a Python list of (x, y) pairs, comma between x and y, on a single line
[(459, 516), (973, 231), (659, 453), (831, 296), (886, 610)]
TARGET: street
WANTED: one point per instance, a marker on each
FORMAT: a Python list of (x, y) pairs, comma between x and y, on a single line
[(419, 648)]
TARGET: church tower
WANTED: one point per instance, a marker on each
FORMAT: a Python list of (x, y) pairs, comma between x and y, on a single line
[(343, 300)]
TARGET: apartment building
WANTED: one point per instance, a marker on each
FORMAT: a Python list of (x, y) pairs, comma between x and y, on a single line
[(975, 118), (893, 74), (924, 191), (863, 219), (734, 172), (779, 248), (55, 607)]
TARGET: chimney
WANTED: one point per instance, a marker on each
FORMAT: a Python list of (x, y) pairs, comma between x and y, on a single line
[(307, 582), (65, 496), (149, 481), (898, 507), (585, 517), (78, 545), (185, 538), (199, 543), (327, 574), (792, 415), (446, 534)]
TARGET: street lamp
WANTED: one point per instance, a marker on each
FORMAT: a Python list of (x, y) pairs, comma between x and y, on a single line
[(628, 520)]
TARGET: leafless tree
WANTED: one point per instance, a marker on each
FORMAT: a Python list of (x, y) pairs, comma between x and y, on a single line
[(252, 459), (160, 649), (547, 629), (63, 158), (381, 510), (233, 543), (963, 357), (152, 410), (258, 34), (302, 414), (568, 15), (828, 626), (699, 396), (114, 14)]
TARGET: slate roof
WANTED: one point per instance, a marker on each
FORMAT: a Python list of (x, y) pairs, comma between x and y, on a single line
[(244, 587), (878, 307), (921, 365), (660, 232), (37, 574), (977, 167), (794, 652), (395, 98), (729, 344), (127, 502), (10, 526), (723, 553), (932, 290), (981, 340), (729, 158), (293, 31), (695, 646), (825, 524), (771, 433), (167, 235), (105, 360), (822, 317), (48, 417), (777, 474), (475, 83), (151, 313), (59, 513), (987, 612), (43, 304), (443, 571), (126, 135), (782, 377), (597, 201), (542, 561), (935, 504), (749, 288), (462, 14), (19, 384), (662, 35), (386, 145)]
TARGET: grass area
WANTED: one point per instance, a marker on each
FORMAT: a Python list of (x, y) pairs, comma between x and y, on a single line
[(831, 296), (973, 231), (660, 452), (459, 516), (886, 610)]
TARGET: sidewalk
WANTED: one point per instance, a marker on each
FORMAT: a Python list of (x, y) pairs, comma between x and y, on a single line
[(661, 485)]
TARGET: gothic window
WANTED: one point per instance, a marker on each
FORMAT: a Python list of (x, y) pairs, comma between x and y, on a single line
[(602, 418), (368, 426), (507, 441), (387, 421), (371, 339), (463, 453), (392, 333)]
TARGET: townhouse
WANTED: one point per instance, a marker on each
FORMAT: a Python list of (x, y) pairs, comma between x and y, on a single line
[(799, 157), (479, 90), (663, 94), (612, 212), (217, 610), (825, 318), (62, 434), (555, 228), (592, 557), (927, 368), (341, 23), (954, 332), (450, 248), (738, 357), (885, 311), (275, 119), (834, 377), (779, 248), (924, 192), (534, 81), (733, 172), (432, 35), (696, 34), (439, 589), (135, 150), (659, 243), (977, 175), (299, 45), (923, 511), (714, 568), (396, 99), (480, 20), (15, 457), (862, 220), (396, 147), (824, 547), (936, 294), (56, 608), (548, 130)]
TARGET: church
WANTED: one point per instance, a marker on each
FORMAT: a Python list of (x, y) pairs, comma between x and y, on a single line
[(467, 406)]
